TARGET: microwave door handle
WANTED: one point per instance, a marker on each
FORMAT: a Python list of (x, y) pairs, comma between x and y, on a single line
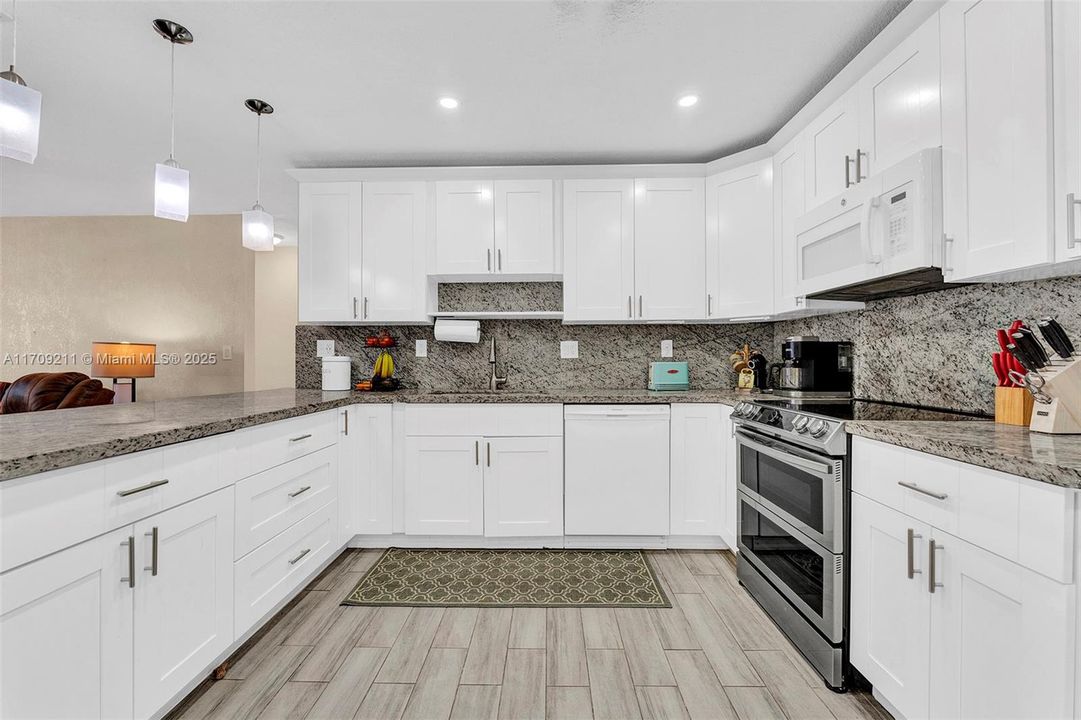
[(868, 251), (803, 463)]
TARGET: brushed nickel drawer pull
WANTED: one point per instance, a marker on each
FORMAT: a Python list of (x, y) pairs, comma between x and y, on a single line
[(141, 488), (153, 535), (917, 488), (488, 448), (130, 579), (476, 452), (912, 571), (298, 558), (301, 491), (346, 413), (932, 547), (298, 438)]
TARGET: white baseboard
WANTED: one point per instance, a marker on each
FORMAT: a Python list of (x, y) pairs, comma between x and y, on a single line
[(602, 542), (696, 542)]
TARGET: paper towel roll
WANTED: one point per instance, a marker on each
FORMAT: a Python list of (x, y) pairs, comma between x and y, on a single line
[(457, 330)]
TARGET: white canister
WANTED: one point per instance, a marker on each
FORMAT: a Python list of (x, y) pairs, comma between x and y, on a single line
[(336, 372)]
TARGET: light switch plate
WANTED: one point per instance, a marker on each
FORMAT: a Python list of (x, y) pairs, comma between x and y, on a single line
[(226, 352), (568, 349), (324, 348), (422, 348), (666, 348)]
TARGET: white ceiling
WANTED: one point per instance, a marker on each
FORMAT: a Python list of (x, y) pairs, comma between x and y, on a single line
[(355, 84)]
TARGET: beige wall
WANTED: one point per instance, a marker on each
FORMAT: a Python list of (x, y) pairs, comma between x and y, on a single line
[(273, 349), (188, 287)]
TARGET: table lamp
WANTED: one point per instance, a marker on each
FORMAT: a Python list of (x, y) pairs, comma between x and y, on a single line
[(123, 362)]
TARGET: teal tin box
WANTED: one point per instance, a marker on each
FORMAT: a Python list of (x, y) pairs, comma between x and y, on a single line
[(669, 376)]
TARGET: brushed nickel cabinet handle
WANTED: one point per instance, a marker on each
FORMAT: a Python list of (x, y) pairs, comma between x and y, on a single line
[(365, 307), (298, 438), (947, 253), (932, 547), (1072, 203), (499, 259), (848, 174), (130, 579), (153, 567), (298, 558), (142, 488), (489, 259), (301, 491), (346, 422), (355, 314), (912, 571), (476, 452), (709, 304), (917, 488), (639, 306), (488, 449), (630, 307), (860, 177)]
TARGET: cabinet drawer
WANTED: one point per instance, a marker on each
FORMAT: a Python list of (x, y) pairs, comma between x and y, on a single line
[(271, 573), (268, 503), (264, 446), (1029, 522), (495, 420)]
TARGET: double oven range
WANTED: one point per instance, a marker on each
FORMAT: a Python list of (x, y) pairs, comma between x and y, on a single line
[(793, 516)]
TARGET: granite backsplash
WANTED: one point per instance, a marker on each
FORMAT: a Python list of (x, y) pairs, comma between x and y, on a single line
[(933, 349)]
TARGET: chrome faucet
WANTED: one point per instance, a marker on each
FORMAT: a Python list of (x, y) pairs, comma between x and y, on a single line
[(494, 382)]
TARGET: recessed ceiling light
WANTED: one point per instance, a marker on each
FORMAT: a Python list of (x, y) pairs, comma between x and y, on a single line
[(449, 103), (688, 101)]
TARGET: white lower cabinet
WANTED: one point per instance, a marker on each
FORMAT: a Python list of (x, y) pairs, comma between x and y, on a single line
[(945, 629), (66, 633), (444, 486), (697, 502), (183, 596), (729, 502), (523, 486), (366, 488)]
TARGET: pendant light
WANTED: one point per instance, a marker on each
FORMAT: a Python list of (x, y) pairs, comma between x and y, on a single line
[(170, 180), (20, 109), (257, 225)]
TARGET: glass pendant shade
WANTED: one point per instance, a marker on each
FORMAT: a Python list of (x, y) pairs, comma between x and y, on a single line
[(20, 121), (258, 229), (170, 191)]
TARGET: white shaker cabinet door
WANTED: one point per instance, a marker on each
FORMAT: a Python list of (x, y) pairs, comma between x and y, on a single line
[(183, 596), (598, 250), (464, 228), (329, 252), (523, 486), (444, 486), (394, 242), (524, 228), (66, 633), (830, 151), (669, 249), (890, 605), (739, 242), (366, 483), (1066, 17), (996, 136), (1001, 639), (697, 502), (899, 101), (789, 202), (729, 501)]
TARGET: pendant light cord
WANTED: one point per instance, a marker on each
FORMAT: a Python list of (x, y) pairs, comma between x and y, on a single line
[(258, 157), (172, 99), (14, 34)]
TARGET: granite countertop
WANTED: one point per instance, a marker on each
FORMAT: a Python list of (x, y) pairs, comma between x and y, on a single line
[(36, 442), (1054, 459)]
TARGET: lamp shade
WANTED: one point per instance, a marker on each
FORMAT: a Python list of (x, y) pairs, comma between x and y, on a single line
[(20, 121), (258, 229), (123, 360), (170, 192)]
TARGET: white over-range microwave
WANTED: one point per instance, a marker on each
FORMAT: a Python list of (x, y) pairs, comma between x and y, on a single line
[(880, 238)]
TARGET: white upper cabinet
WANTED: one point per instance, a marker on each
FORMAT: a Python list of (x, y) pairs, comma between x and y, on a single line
[(899, 112), (486, 229), (329, 252), (1067, 45), (598, 250), (789, 202), (524, 228), (394, 245), (464, 228), (670, 249), (832, 163), (996, 136), (739, 242)]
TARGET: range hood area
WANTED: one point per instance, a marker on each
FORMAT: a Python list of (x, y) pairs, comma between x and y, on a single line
[(910, 282)]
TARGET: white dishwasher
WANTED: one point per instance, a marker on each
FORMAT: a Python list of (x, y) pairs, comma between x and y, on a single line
[(616, 469)]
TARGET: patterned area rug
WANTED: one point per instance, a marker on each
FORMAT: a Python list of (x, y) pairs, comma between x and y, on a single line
[(510, 578)]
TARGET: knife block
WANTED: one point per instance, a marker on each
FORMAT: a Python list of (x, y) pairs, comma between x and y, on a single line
[(1013, 405), (1061, 416)]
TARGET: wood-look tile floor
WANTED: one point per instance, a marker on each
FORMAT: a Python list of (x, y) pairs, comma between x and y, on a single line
[(713, 655)]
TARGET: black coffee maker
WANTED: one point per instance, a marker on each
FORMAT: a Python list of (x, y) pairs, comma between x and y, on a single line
[(813, 368)]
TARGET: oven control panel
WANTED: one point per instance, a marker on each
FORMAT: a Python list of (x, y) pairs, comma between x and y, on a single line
[(806, 429)]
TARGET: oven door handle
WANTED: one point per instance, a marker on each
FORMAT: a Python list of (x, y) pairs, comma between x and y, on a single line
[(767, 448)]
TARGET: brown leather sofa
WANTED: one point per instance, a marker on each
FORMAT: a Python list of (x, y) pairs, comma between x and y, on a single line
[(52, 391)]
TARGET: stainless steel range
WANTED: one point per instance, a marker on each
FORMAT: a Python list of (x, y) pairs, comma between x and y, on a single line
[(793, 465)]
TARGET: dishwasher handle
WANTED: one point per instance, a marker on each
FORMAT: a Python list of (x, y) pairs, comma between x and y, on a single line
[(615, 412)]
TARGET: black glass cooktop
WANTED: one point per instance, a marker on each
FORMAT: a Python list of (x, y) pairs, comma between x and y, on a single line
[(865, 409)]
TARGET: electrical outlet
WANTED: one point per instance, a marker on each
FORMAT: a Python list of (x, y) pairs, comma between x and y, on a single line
[(666, 348), (324, 348), (422, 348), (568, 349), (226, 352)]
